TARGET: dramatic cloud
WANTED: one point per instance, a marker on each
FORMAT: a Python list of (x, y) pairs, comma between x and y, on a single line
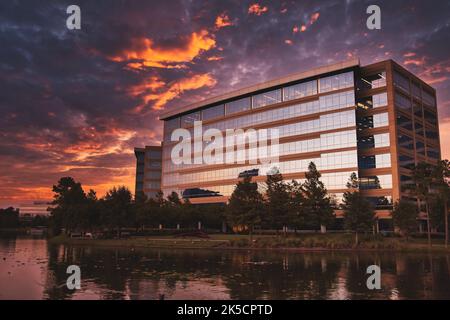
[(223, 21), (144, 52), (178, 88), (257, 9)]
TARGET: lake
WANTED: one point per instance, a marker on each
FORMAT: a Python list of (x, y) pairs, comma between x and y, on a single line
[(33, 269)]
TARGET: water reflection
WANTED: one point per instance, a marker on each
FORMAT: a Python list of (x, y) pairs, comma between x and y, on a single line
[(32, 269)]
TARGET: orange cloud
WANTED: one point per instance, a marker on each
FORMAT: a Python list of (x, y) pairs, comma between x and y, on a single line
[(289, 42), (176, 89), (145, 53), (409, 54), (416, 62), (295, 29), (214, 58), (257, 9), (223, 21), (303, 28)]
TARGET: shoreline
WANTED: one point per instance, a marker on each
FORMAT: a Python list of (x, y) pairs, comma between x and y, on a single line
[(387, 245)]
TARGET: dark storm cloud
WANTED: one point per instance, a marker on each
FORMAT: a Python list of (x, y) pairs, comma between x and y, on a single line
[(73, 102)]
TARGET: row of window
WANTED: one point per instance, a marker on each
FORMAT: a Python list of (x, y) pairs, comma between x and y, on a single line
[(374, 141), (375, 161), (376, 182), (328, 161), (403, 83), (337, 140), (325, 103), (375, 101), (287, 93), (332, 121), (373, 121)]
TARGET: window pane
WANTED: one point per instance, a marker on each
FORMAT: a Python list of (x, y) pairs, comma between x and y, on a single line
[(300, 90), (266, 98), (188, 119), (213, 112), (336, 82), (238, 105)]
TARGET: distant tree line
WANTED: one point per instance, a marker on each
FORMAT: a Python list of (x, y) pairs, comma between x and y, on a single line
[(10, 219)]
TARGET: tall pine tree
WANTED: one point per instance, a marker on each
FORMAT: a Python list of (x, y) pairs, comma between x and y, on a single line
[(317, 204)]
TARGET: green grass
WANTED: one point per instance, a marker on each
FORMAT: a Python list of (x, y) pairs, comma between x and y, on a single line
[(293, 242)]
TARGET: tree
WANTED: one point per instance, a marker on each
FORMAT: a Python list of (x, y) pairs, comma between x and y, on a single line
[(245, 206), (9, 218), (423, 179), (442, 185), (317, 204), (142, 209), (359, 214), (296, 204), (118, 206), (404, 216), (277, 201), (69, 202)]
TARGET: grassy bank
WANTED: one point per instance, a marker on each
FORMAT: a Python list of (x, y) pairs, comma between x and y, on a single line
[(305, 242)]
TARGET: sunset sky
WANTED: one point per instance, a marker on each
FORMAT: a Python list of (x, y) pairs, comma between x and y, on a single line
[(76, 102)]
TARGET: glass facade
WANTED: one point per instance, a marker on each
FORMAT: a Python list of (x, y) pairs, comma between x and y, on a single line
[(324, 119)]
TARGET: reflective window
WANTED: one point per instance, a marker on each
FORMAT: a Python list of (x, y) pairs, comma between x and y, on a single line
[(188, 119), (170, 125), (406, 162), (418, 126), (417, 110), (238, 105), (401, 81), (337, 101), (380, 100), (213, 112), (266, 98), (402, 102), (380, 120), (404, 122), (420, 147), (375, 161), (376, 182), (376, 101), (336, 82), (428, 99), (300, 90), (431, 133), (416, 92), (405, 141), (429, 116), (433, 153), (374, 141)]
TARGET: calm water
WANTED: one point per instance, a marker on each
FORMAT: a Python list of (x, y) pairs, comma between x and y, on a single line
[(32, 269)]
